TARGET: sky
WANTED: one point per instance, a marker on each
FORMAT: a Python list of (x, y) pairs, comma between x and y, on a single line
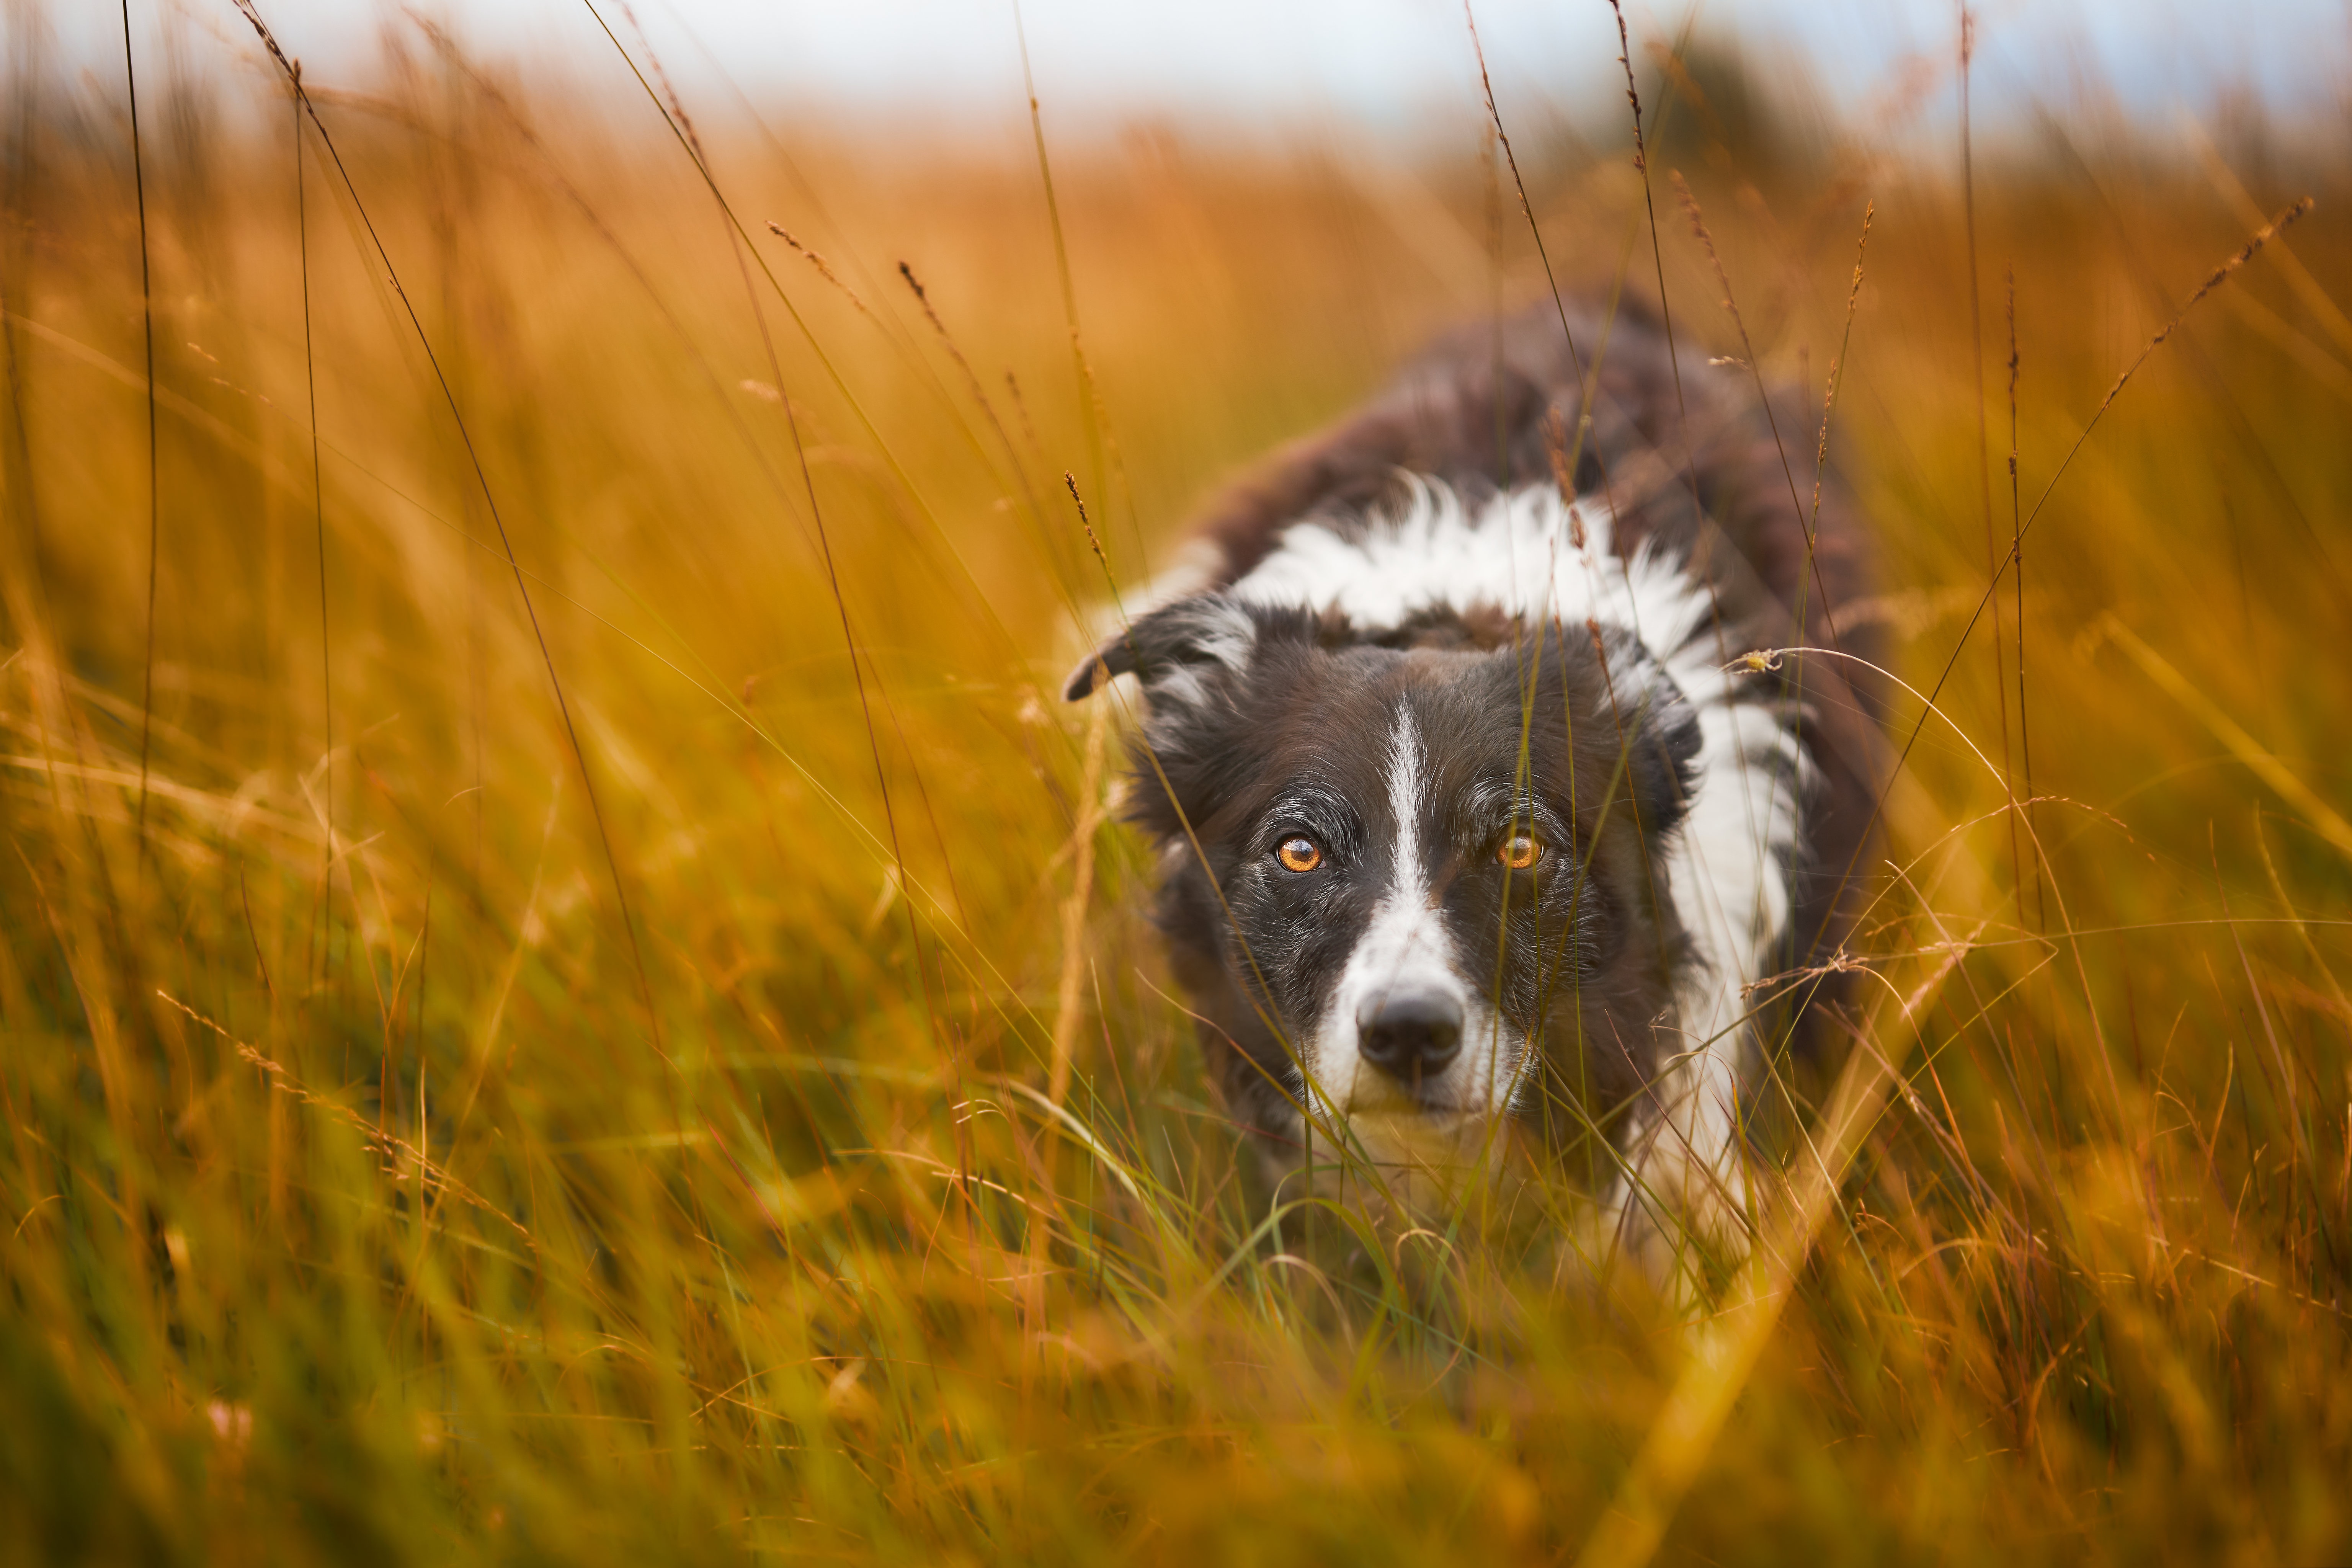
[(1382, 64)]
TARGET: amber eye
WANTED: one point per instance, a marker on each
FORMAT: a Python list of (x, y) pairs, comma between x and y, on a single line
[(1299, 855), (1520, 850)]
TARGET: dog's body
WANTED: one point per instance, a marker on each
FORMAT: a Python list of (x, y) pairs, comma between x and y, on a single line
[(1469, 806)]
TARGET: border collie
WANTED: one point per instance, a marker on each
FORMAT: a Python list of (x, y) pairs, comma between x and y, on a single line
[(1472, 816)]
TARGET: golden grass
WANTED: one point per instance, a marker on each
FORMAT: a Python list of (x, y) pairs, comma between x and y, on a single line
[(359, 1207)]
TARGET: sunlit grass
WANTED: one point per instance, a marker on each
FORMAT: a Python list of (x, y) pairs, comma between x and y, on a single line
[(689, 1178)]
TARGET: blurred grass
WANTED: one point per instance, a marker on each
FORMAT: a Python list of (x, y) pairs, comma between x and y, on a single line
[(360, 1208)]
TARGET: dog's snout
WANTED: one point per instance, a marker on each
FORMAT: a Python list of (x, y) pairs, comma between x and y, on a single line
[(1409, 1035)]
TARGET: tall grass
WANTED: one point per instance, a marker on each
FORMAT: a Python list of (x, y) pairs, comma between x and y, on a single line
[(400, 1160)]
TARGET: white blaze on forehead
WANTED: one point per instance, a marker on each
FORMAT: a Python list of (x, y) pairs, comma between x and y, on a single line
[(1405, 946), (1412, 885)]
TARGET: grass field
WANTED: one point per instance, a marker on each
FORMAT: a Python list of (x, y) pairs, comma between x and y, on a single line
[(536, 932)]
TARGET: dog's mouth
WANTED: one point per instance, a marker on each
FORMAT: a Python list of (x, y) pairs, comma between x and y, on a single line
[(1433, 1111), (1399, 1140), (1386, 1101), (1440, 1103)]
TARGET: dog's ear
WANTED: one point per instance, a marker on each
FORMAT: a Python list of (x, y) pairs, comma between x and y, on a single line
[(1662, 746), (1660, 732), (1665, 755), (1173, 646)]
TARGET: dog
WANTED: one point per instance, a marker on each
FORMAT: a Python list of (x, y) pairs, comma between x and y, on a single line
[(1487, 796)]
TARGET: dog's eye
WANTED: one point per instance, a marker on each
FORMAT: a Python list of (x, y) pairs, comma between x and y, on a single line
[(1520, 850), (1299, 854)]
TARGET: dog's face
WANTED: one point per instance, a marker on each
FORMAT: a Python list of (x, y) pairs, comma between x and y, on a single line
[(1406, 882)]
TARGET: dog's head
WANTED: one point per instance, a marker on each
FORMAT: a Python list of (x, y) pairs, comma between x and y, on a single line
[(1407, 874)]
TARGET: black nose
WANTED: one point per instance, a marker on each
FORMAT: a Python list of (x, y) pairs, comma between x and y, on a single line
[(1410, 1034)]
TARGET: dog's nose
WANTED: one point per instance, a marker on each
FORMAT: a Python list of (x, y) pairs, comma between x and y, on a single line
[(1409, 1035)]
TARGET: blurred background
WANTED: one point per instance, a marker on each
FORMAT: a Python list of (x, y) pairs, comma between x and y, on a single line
[(567, 984), (1400, 68)]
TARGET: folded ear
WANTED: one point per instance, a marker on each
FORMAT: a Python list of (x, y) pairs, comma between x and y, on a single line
[(1661, 731), (1664, 750), (1171, 645)]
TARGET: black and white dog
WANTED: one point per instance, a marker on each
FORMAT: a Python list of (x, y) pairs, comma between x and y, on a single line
[(1472, 815)]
